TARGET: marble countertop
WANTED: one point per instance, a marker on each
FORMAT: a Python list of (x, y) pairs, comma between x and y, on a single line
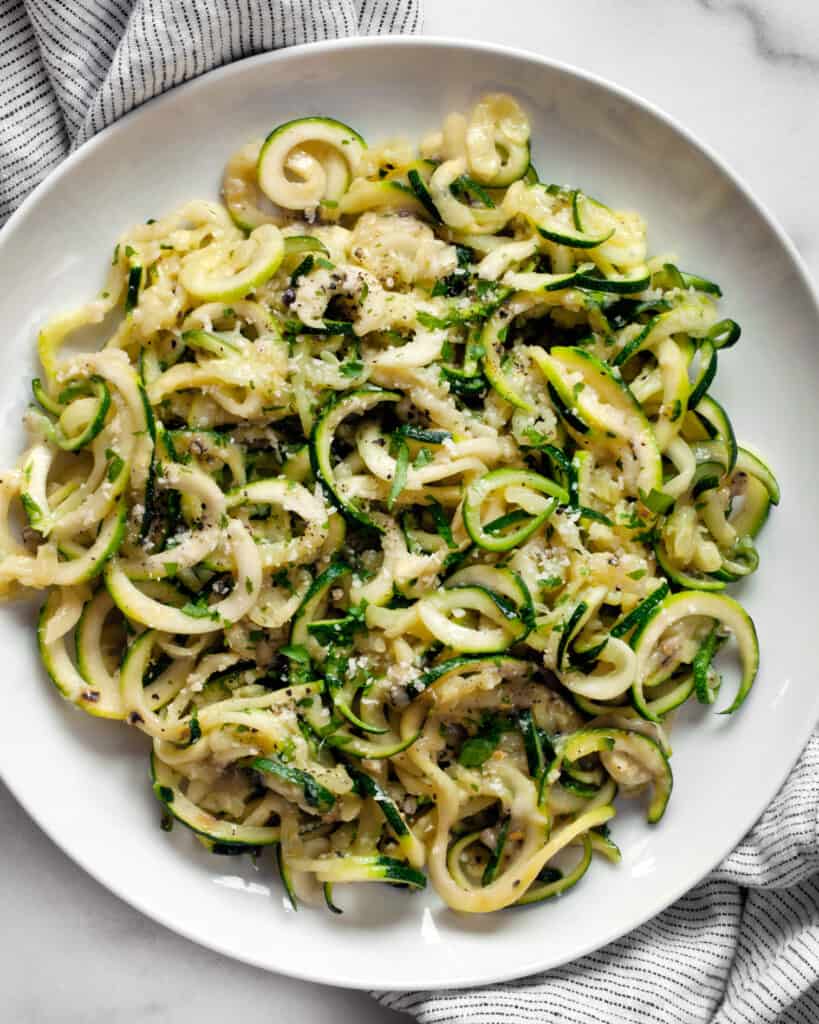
[(744, 76)]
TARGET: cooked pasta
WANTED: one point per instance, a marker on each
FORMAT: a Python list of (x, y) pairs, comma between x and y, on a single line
[(395, 510)]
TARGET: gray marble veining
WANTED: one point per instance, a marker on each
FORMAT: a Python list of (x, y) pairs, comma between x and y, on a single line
[(785, 33)]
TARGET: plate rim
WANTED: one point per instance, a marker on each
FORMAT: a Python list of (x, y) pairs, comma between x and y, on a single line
[(526, 966)]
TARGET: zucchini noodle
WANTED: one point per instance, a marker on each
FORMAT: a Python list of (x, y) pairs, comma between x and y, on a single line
[(396, 510)]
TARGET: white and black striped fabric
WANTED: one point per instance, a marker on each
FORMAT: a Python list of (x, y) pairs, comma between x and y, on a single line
[(741, 948), (70, 67)]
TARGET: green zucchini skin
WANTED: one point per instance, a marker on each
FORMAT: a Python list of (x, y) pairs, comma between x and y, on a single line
[(244, 839), (477, 493), (321, 441)]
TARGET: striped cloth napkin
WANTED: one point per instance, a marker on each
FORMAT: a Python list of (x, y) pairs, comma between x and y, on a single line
[(742, 947)]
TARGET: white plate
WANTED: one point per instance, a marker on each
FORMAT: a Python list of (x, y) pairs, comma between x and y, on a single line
[(85, 782)]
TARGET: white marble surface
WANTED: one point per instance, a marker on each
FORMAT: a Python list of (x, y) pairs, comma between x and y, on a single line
[(744, 76)]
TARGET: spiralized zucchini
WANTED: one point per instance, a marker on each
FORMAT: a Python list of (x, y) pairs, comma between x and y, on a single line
[(396, 510)]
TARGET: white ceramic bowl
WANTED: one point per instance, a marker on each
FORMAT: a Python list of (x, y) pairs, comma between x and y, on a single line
[(85, 781)]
